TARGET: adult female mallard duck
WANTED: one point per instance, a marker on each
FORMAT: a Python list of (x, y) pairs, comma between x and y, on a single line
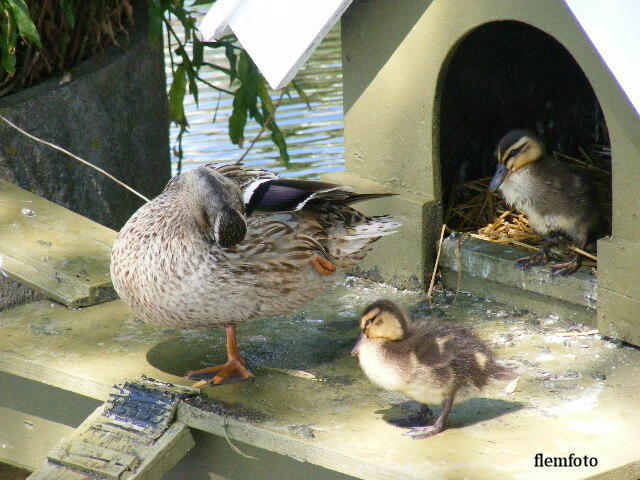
[(558, 202), (432, 362), (223, 245)]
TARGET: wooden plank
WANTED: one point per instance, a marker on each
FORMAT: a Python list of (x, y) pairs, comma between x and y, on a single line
[(93, 458), (340, 423), (53, 250), (142, 443)]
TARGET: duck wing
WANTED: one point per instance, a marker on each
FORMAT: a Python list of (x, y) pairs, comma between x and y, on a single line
[(264, 191)]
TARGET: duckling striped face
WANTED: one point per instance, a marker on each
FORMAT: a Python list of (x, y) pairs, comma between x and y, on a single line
[(515, 150), (383, 320)]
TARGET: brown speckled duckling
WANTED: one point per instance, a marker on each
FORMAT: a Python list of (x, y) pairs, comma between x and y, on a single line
[(223, 245), (558, 202), (429, 362)]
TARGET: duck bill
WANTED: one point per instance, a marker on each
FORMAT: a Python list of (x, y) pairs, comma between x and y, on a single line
[(356, 349), (498, 178)]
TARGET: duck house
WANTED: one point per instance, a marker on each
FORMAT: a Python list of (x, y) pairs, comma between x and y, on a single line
[(425, 108)]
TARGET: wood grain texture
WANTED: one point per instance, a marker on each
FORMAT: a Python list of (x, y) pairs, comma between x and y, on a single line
[(53, 250)]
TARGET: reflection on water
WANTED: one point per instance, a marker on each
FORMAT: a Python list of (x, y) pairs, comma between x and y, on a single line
[(314, 136)]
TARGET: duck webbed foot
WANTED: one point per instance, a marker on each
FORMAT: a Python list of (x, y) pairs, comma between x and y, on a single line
[(437, 427), (567, 268), (323, 266), (232, 371), (542, 257), (420, 417)]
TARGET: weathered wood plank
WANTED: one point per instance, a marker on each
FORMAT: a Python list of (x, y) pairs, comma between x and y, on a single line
[(53, 250), (93, 458), (142, 441)]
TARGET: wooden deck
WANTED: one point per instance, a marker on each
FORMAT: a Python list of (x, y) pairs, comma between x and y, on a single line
[(575, 395)]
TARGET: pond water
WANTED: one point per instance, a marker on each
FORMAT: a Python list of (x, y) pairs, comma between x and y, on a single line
[(314, 135)]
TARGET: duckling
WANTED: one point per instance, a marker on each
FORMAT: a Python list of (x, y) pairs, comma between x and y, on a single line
[(430, 363), (223, 245), (559, 203)]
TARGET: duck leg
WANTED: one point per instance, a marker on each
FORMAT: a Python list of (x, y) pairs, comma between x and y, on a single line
[(437, 427), (567, 268), (234, 366)]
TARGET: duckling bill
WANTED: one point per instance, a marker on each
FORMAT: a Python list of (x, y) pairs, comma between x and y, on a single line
[(558, 202), (431, 363)]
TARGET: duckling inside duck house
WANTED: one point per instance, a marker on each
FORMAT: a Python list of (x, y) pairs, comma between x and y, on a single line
[(494, 82), (431, 362), (560, 203)]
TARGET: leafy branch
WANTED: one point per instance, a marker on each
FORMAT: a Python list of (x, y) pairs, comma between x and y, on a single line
[(246, 84), (43, 38)]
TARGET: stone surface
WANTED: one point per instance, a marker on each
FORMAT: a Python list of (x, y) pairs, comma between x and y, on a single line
[(112, 113)]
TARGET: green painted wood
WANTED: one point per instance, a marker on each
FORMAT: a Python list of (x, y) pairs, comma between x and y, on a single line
[(491, 261), (339, 423), (53, 250)]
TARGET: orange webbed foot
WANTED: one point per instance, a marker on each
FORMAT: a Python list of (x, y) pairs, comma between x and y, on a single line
[(323, 266), (232, 371)]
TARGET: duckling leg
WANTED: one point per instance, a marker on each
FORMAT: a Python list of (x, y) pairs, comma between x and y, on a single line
[(566, 269), (234, 365), (437, 427), (540, 258)]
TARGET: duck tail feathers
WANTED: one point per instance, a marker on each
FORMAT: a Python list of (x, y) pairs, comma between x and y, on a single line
[(374, 228)]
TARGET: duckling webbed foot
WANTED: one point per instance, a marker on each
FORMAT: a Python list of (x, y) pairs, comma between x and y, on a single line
[(420, 417), (540, 258), (567, 268), (233, 370), (431, 430)]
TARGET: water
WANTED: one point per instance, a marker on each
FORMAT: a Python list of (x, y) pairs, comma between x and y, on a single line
[(314, 135)]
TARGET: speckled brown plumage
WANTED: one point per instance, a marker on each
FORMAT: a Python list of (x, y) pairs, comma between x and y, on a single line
[(191, 259)]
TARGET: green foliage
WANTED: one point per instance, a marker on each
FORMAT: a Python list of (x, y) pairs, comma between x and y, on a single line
[(187, 57), (43, 38)]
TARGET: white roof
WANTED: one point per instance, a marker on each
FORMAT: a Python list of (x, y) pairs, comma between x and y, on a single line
[(279, 35), (613, 26)]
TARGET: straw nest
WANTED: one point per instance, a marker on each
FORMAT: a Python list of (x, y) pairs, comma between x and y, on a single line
[(473, 208)]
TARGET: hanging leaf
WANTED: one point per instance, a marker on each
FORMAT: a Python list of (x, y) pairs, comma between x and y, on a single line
[(176, 96), (23, 20), (8, 39), (301, 93), (248, 74), (238, 118), (198, 53), (269, 112), (230, 53), (67, 8)]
